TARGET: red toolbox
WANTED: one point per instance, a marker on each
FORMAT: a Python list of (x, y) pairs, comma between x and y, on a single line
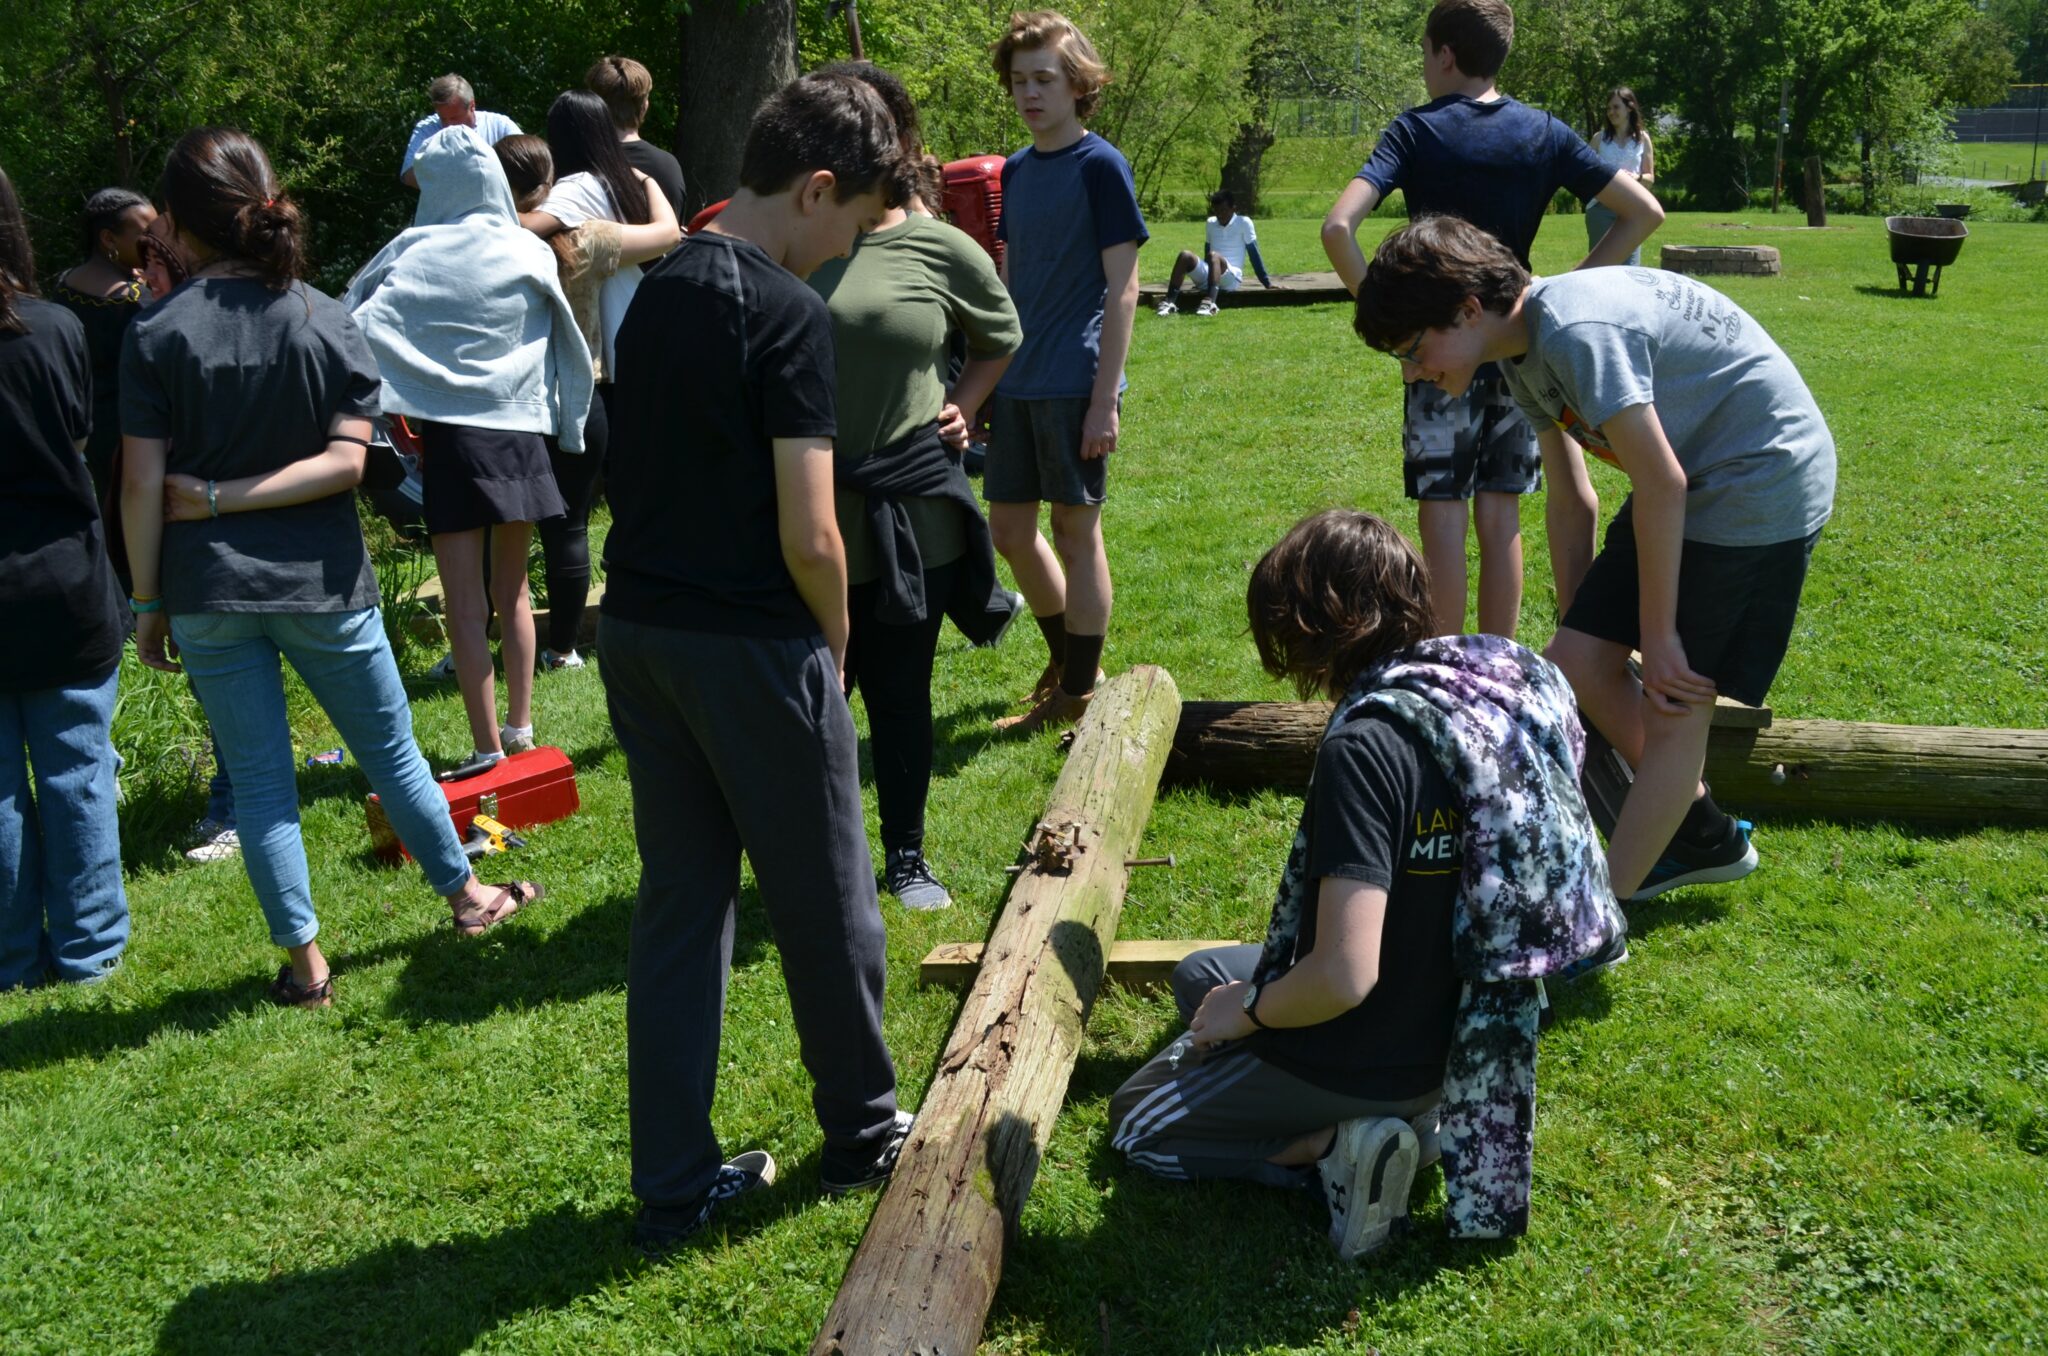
[(535, 787)]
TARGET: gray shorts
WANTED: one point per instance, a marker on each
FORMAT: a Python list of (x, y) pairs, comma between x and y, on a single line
[(1034, 454), (1452, 446)]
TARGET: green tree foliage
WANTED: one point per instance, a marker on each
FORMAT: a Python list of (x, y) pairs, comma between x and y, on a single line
[(95, 92), (2027, 22)]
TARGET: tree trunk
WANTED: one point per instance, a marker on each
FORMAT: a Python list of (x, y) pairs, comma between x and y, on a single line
[(731, 54), (1242, 165), (1826, 769), (927, 1270), (1816, 193)]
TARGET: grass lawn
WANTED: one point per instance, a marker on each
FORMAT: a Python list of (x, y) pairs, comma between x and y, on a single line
[(1810, 1114), (2004, 160)]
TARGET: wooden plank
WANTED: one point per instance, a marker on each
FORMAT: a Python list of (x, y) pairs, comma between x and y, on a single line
[(1135, 963), (1288, 289), (1831, 769), (927, 1268)]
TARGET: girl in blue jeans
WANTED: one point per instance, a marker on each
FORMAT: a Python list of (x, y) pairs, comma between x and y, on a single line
[(246, 399), (62, 910)]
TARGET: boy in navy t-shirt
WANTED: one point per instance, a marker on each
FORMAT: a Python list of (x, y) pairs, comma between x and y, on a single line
[(1471, 152), (1072, 226)]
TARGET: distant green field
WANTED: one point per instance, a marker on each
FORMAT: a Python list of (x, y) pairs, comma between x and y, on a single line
[(2001, 160)]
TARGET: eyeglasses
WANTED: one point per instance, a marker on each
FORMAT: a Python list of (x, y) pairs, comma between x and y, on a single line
[(1413, 349)]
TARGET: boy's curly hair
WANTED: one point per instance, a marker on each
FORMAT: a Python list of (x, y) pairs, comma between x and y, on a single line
[(1338, 594), (1043, 28)]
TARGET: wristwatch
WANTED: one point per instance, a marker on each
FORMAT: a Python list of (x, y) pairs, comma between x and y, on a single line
[(1251, 1004)]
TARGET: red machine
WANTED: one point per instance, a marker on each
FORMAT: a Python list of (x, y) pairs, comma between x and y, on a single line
[(974, 200), (535, 787)]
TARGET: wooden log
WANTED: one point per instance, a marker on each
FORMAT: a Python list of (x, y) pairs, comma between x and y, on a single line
[(927, 1269), (423, 620), (1135, 964), (1828, 769), (1250, 744), (1816, 194)]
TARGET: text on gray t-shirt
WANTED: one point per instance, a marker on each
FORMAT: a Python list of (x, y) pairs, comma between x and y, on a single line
[(1759, 461)]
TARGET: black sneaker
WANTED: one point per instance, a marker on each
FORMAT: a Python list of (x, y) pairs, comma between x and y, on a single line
[(906, 875), (1732, 858), (877, 1170), (658, 1232), (1612, 954), (1366, 1176)]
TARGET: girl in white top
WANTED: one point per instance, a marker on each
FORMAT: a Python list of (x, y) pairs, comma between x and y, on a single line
[(594, 183), (1625, 145)]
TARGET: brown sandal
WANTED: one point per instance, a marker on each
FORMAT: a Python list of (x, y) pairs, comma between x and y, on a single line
[(287, 992), (513, 896)]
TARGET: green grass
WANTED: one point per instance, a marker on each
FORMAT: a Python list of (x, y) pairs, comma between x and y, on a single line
[(1809, 1115), (2002, 160)]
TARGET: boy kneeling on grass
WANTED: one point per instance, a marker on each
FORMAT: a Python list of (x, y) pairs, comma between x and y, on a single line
[(1731, 471), (1445, 863)]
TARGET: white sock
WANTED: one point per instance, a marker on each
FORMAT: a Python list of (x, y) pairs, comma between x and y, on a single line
[(508, 733)]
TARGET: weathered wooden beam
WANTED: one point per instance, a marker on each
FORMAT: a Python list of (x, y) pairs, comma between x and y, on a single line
[(423, 620), (1135, 964), (926, 1271), (1829, 769)]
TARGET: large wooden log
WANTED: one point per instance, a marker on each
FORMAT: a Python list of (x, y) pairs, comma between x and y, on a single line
[(1831, 769), (926, 1271)]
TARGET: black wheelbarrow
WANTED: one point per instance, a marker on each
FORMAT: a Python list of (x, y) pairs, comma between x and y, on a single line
[(1921, 247)]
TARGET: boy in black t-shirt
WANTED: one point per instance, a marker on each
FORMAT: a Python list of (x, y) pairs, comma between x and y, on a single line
[(723, 641), (1319, 1073), (1473, 153)]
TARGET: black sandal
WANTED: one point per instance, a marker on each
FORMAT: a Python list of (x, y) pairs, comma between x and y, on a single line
[(474, 921), (287, 992)]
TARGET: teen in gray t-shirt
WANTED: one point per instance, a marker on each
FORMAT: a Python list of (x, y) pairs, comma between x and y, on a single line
[(1759, 461)]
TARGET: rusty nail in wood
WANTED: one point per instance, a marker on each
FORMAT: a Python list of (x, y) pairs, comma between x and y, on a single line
[(1167, 860)]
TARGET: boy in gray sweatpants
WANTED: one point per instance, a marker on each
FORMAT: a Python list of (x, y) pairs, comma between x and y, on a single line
[(721, 647)]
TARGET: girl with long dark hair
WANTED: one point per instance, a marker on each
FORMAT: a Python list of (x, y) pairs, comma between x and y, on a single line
[(62, 908), (917, 546), (105, 292), (593, 184), (1623, 144), (246, 401)]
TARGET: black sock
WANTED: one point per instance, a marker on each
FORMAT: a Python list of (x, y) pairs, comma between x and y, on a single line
[(1704, 823), (1084, 656), (1054, 629)]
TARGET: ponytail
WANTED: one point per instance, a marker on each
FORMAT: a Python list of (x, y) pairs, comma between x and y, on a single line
[(218, 184)]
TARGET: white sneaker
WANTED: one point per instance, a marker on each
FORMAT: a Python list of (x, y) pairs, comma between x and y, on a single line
[(1207, 307), (213, 842), (516, 738), (444, 669), (1366, 1177), (550, 661), (1167, 308)]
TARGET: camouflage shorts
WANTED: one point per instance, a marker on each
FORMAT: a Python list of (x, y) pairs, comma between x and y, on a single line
[(1454, 445)]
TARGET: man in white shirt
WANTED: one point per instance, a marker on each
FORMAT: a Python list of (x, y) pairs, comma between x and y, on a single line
[(454, 106), (1227, 239)]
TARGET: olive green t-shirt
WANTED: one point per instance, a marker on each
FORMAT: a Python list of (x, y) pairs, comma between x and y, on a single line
[(894, 303)]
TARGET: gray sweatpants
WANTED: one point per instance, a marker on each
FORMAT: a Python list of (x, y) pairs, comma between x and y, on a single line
[(739, 743), (1188, 1115)]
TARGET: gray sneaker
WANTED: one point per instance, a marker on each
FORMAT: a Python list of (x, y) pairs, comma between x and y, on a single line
[(1366, 1176), (213, 841), (909, 877)]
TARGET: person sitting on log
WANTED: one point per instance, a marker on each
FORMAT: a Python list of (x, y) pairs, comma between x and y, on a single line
[(1228, 239), (1444, 864), (1731, 474)]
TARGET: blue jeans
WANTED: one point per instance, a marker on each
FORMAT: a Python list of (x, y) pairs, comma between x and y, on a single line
[(1598, 218), (62, 907), (345, 660)]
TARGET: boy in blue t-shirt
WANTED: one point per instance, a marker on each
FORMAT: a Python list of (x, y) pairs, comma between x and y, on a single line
[(1471, 152), (1072, 226)]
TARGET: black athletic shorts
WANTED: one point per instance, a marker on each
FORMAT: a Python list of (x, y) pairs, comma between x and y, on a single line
[(1736, 604)]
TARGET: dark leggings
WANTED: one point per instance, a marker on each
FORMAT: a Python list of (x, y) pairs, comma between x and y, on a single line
[(892, 667), (565, 541)]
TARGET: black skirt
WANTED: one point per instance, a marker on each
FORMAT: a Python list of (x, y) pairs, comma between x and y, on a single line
[(478, 477)]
